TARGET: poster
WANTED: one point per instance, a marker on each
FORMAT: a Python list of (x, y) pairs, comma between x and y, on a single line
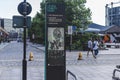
[(55, 38)]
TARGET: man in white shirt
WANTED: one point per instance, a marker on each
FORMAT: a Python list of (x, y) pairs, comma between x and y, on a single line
[(90, 48)]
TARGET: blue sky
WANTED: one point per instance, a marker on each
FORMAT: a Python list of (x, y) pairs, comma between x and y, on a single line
[(9, 8)]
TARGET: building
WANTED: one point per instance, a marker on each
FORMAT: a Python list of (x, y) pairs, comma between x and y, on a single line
[(95, 28), (112, 32), (112, 16), (6, 25)]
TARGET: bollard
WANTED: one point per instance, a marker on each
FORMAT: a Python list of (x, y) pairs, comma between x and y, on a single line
[(80, 56), (31, 56)]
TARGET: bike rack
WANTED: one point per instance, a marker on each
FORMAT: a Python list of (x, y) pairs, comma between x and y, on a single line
[(69, 72), (114, 76)]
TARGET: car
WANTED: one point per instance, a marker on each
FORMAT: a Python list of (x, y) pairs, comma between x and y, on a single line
[(19, 39)]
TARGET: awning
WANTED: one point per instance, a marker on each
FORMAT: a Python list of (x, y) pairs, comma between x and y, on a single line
[(92, 30), (4, 31)]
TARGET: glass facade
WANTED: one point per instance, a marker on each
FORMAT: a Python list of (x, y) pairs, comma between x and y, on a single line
[(113, 16)]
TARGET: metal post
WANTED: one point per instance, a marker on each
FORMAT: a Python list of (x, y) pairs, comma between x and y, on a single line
[(111, 14), (106, 15), (24, 55), (70, 42), (24, 8), (24, 68)]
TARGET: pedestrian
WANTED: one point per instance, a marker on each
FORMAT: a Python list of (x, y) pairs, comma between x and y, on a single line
[(96, 47), (90, 47)]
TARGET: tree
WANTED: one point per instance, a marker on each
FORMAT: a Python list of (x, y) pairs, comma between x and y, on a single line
[(37, 28), (76, 14)]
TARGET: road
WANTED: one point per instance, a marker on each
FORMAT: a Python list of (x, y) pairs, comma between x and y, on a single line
[(13, 53), (86, 69), (11, 57)]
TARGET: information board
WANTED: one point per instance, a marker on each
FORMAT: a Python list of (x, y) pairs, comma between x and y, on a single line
[(55, 41), (55, 34)]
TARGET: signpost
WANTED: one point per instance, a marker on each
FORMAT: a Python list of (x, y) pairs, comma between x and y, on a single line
[(24, 8), (70, 31), (18, 21), (55, 39)]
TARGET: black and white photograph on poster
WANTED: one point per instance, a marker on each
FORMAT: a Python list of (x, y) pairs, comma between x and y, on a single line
[(55, 38)]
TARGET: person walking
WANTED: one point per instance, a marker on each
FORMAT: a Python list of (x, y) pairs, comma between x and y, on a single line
[(90, 47), (96, 47)]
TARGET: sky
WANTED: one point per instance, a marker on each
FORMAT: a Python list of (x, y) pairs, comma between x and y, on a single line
[(97, 8), (9, 8)]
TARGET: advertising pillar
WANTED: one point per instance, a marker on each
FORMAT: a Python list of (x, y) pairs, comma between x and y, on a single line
[(55, 41)]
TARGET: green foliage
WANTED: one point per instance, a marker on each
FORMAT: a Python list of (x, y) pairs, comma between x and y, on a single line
[(55, 0), (79, 41), (75, 13), (38, 28)]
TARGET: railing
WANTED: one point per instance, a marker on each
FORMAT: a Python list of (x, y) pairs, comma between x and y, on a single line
[(114, 77), (69, 72)]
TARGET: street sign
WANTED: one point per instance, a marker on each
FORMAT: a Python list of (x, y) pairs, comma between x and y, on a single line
[(24, 8), (18, 21), (74, 28), (55, 14), (70, 31)]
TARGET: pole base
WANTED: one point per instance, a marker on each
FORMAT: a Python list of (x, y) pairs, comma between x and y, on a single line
[(24, 68)]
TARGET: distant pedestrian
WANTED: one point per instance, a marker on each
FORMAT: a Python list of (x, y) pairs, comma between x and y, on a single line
[(33, 38), (96, 47), (90, 47)]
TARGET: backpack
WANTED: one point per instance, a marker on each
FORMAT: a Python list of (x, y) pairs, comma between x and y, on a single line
[(93, 45)]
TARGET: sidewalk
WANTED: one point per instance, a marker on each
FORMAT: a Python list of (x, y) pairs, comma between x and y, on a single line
[(2, 45), (15, 73), (86, 69), (12, 72), (90, 68), (107, 51)]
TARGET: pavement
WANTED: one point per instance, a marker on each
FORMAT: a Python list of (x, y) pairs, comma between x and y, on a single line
[(86, 69), (89, 68), (2, 45)]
